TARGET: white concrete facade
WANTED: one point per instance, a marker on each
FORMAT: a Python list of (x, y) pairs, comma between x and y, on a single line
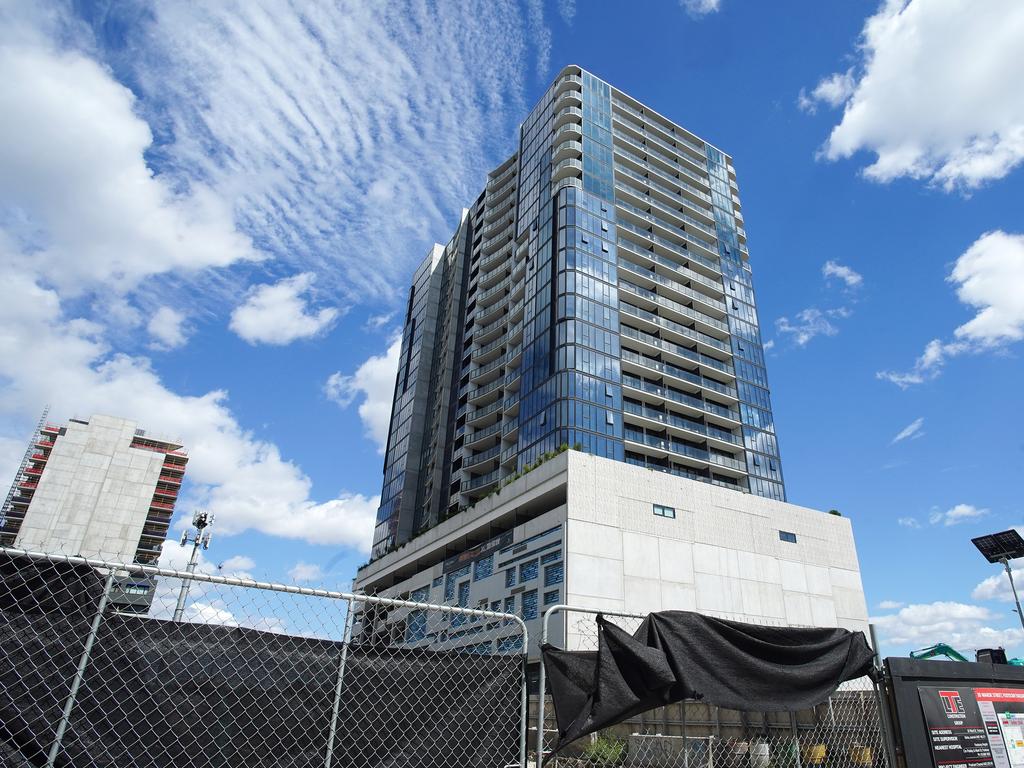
[(95, 494), (720, 555)]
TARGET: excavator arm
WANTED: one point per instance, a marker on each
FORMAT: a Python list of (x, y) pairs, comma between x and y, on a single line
[(939, 649)]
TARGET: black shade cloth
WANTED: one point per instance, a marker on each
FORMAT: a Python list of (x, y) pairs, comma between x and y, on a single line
[(678, 655), (161, 694)]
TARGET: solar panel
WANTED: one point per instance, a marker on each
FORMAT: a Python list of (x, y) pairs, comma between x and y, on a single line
[(997, 547)]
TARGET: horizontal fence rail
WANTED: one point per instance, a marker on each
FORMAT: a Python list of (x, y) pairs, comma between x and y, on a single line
[(95, 670), (845, 731)]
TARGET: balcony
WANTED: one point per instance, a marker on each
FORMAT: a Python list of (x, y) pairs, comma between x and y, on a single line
[(678, 138), (662, 302), (684, 353), (567, 149), (568, 115), (678, 448), (644, 197), (673, 192), (160, 505), (485, 457), (680, 270), (672, 285), (674, 231), (675, 249), (682, 472), (567, 168), (681, 185), (672, 326), (668, 393), (670, 419), (503, 175), (652, 144), (483, 481)]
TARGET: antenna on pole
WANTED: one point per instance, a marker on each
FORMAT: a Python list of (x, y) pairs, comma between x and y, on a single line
[(200, 536)]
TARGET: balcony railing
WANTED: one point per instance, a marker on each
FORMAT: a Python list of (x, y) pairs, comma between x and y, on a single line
[(689, 354), (672, 394), (685, 272), (680, 422), (685, 253), (698, 148), (674, 285), (671, 325), (678, 308)]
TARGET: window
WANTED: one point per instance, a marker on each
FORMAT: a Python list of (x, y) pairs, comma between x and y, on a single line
[(496, 606), (529, 605), (510, 578), (528, 571), (787, 536), (483, 567), (136, 589), (437, 582), (663, 511), (554, 574), (551, 557), (609, 417), (510, 604), (550, 598), (512, 644), (463, 594)]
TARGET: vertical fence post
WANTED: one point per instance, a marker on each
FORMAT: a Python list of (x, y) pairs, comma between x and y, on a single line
[(541, 682), (524, 705), (346, 639), (83, 662)]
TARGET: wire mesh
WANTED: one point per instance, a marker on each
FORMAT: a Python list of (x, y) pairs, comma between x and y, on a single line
[(846, 731), (94, 671)]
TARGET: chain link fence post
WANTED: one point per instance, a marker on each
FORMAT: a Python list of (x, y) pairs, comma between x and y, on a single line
[(83, 662), (346, 640)]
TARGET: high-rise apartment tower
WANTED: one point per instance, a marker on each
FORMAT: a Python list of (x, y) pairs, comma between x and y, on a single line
[(596, 295)]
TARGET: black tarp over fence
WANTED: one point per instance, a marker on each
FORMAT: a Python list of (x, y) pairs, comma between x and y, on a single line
[(162, 693)]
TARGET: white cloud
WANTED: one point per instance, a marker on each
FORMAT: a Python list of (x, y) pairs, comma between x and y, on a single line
[(990, 278), (844, 273), (87, 211), (166, 326), (699, 8), (280, 313), (936, 94), (997, 587), (965, 627), (770, 344), (240, 477), (961, 513), (909, 522), (346, 135), (832, 90), (808, 323), (910, 432), (890, 605), (301, 572), (374, 383)]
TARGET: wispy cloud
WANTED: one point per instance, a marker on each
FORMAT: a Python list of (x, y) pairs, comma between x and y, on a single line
[(909, 522), (698, 8), (850, 277), (910, 432), (832, 90), (990, 278), (347, 135), (961, 513), (809, 323)]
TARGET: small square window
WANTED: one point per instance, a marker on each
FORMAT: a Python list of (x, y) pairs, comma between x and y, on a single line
[(609, 418), (584, 238), (550, 598), (604, 226), (510, 577), (787, 536), (604, 247), (663, 511)]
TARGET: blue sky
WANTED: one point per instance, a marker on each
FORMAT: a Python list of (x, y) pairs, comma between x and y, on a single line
[(208, 217)]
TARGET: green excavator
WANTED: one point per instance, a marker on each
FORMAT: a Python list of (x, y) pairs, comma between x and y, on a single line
[(941, 649)]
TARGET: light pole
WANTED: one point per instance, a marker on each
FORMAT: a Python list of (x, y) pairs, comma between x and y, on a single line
[(202, 521), (1001, 548)]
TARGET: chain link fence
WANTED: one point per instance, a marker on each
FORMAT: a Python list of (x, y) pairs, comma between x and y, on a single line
[(97, 668), (846, 731)]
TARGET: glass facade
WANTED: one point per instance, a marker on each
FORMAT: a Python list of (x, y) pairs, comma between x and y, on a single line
[(600, 299)]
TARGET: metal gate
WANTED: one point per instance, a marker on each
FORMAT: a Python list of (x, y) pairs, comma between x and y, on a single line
[(846, 730), (97, 669)]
